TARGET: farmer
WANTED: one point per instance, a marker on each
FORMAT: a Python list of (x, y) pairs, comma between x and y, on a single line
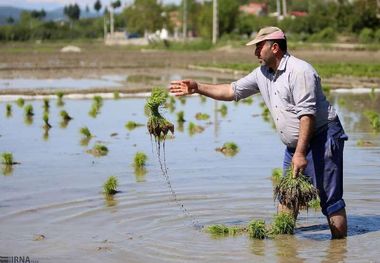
[(306, 122)]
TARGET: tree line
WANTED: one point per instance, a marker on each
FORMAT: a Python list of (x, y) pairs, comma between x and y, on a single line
[(356, 20)]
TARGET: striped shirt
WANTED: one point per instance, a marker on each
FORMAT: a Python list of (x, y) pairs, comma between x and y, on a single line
[(292, 91)]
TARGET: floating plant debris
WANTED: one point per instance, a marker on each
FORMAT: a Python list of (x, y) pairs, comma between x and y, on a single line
[(228, 148), (131, 125)]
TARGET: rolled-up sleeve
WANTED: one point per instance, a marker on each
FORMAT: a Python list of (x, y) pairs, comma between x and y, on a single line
[(305, 83), (245, 86)]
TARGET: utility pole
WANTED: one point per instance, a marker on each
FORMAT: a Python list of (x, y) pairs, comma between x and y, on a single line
[(278, 5), (184, 22), (285, 13), (215, 21)]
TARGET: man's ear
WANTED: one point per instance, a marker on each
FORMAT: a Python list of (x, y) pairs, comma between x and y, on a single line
[(275, 48)]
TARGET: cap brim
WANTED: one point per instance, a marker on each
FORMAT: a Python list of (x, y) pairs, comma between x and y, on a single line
[(253, 42)]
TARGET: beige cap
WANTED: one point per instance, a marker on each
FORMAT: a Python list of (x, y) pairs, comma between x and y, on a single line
[(267, 33)]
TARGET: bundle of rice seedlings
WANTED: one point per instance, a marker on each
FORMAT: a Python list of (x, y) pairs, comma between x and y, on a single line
[(20, 102), (28, 110), (85, 131), (276, 174), (99, 150), (157, 125), (194, 128), (7, 158), (283, 223), (8, 108), (223, 230), (295, 192), (65, 116), (59, 95), (223, 110), (46, 121), (257, 229), (46, 104)]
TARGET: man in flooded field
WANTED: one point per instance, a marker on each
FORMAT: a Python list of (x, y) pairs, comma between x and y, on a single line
[(306, 122)]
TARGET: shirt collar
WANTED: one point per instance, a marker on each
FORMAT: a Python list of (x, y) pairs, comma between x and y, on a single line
[(283, 62)]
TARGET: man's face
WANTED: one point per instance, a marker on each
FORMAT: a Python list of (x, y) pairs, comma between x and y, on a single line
[(264, 53)]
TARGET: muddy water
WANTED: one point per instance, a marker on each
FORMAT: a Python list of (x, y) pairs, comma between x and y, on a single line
[(52, 208)]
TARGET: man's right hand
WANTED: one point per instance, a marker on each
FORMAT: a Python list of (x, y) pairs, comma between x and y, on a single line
[(183, 87)]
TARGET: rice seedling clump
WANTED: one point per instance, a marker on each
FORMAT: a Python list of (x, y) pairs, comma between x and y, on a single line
[(157, 125), (7, 158), (283, 223), (202, 116), (110, 186), (257, 229), (140, 159), (99, 150), (295, 192)]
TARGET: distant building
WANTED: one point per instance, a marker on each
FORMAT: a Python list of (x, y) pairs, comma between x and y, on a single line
[(257, 9), (294, 14)]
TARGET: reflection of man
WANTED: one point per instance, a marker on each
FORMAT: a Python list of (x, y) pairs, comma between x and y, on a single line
[(307, 124)]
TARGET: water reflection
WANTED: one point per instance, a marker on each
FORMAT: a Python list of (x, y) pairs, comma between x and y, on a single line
[(336, 251), (110, 200), (7, 169), (45, 135), (287, 249), (258, 247)]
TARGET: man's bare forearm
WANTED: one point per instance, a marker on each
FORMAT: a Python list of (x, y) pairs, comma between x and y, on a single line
[(306, 131), (216, 91)]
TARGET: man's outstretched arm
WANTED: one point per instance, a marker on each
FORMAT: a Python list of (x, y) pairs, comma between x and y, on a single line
[(215, 91)]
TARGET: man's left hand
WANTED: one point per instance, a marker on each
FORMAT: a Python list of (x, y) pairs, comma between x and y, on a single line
[(299, 164)]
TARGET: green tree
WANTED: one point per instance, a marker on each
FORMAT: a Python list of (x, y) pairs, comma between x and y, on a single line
[(72, 12), (228, 11), (10, 20), (97, 6), (143, 16)]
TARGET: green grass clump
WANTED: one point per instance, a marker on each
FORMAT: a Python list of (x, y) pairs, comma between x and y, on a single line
[(8, 110), (295, 192), (140, 160), (257, 229), (99, 150), (110, 186), (374, 119), (7, 158), (229, 149), (85, 132), (28, 110), (20, 102), (132, 125), (276, 174), (283, 223), (181, 117), (202, 116), (65, 116), (157, 124)]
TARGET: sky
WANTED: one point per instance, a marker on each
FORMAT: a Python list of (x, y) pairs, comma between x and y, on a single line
[(53, 4)]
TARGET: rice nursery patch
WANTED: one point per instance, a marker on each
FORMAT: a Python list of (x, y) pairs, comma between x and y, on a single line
[(110, 186), (228, 149), (295, 192)]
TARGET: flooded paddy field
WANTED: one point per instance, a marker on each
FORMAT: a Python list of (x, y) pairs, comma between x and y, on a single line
[(53, 210)]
